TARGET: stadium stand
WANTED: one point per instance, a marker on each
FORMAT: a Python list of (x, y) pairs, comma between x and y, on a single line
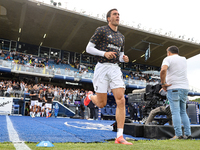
[(22, 63)]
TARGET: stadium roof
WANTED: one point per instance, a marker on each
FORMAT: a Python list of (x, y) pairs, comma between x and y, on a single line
[(71, 31)]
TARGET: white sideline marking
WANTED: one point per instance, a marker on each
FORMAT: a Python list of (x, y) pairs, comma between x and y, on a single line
[(14, 137)]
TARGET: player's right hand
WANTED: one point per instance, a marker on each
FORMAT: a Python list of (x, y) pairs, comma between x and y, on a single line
[(110, 55)]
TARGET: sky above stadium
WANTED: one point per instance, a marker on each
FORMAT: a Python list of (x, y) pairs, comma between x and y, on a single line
[(175, 17)]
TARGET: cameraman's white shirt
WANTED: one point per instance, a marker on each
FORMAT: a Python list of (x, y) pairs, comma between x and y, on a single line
[(176, 72)]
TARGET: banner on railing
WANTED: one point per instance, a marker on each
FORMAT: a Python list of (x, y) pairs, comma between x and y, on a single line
[(6, 105)]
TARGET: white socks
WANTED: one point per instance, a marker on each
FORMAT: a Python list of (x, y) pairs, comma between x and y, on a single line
[(119, 132)]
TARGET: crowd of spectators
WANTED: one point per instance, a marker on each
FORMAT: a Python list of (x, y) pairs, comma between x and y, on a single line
[(31, 61), (137, 75), (67, 96), (23, 59), (18, 88)]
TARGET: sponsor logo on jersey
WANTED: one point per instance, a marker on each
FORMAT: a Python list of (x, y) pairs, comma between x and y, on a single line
[(114, 47), (110, 36)]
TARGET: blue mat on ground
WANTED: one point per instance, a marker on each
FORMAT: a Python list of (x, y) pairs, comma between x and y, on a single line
[(62, 130), (4, 137)]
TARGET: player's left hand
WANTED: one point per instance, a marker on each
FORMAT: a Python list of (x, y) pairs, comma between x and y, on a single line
[(125, 58)]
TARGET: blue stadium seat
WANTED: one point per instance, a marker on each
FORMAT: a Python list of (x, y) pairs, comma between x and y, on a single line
[(108, 109), (15, 108), (113, 110), (103, 111)]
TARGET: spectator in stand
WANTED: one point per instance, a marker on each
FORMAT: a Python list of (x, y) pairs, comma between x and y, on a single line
[(70, 95), (136, 76), (8, 57), (58, 71), (84, 71), (11, 57), (2, 54), (42, 61), (1, 90), (53, 68), (47, 68), (22, 86), (15, 56), (77, 65), (26, 89), (21, 62), (47, 63), (28, 64), (40, 65), (66, 70), (47, 59), (31, 57), (55, 60), (63, 62), (56, 93), (67, 101), (25, 58), (36, 60), (9, 89), (15, 87), (80, 68), (63, 96), (4, 89), (12, 53), (58, 61), (20, 57)]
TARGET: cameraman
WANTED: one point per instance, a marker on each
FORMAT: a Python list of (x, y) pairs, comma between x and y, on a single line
[(164, 110)]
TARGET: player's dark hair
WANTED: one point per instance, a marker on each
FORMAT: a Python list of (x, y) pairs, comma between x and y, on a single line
[(109, 13), (173, 49)]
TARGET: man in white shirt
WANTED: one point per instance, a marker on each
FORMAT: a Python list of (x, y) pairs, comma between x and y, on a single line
[(174, 80), (9, 89)]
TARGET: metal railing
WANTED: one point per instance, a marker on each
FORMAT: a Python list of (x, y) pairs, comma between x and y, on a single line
[(63, 72), (6, 64)]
